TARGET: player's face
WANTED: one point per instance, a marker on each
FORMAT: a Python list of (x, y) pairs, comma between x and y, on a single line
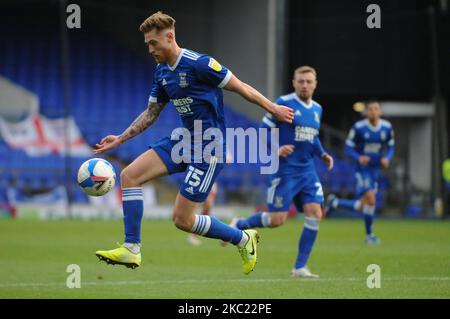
[(159, 44), (373, 111), (304, 85)]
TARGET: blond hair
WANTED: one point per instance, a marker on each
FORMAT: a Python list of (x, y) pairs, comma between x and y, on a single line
[(305, 69), (157, 21)]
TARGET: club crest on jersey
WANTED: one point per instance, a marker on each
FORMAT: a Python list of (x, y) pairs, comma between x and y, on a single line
[(183, 82), (383, 135), (367, 135), (278, 202), (316, 117), (213, 64)]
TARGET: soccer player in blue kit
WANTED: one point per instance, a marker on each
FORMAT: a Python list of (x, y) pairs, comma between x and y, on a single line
[(370, 144), (193, 83), (296, 180)]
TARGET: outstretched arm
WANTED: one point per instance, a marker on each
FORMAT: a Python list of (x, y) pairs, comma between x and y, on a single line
[(140, 124), (143, 121), (252, 95)]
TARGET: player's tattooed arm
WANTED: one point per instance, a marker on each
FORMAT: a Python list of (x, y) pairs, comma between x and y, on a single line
[(143, 121)]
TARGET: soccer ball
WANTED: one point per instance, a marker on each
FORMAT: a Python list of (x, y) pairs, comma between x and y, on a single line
[(96, 177)]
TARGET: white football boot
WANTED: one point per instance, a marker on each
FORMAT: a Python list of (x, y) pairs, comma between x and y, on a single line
[(303, 273), (193, 240)]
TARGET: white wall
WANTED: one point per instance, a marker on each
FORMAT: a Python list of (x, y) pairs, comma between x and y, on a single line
[(15, 101), (247, 40), (417, 134), (420, 153)]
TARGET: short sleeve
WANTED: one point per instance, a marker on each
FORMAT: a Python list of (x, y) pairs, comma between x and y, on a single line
[(280, 101), (212, 72), (320, 116), (157, 95), (269, 121), (351, 138), (391, 141)]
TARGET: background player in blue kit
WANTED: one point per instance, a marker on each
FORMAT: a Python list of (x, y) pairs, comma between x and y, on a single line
[(371, 144), (193, 82), (296, 180)]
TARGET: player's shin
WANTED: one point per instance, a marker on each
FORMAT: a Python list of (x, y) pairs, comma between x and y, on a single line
[(369, 215), (257, 220), (350, 204), (212, 227), (307, 239), (133, 210)]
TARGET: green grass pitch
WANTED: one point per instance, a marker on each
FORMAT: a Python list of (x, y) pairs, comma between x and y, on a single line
[(414, 258)]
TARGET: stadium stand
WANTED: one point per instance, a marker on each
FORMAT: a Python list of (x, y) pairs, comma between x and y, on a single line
[(109, 88)]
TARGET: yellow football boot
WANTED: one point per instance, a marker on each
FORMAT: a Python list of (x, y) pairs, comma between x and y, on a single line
[(120, 256), (248, 252)]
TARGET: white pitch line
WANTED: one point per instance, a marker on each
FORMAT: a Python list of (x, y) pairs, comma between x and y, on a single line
[(192, 281)]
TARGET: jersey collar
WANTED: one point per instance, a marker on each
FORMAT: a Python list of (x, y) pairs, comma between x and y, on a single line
[(373, 128), (308, 106), (171, 68)]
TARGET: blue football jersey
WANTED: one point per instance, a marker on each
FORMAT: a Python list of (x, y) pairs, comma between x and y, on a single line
[(303, 133), (375, 142), (194, 86)]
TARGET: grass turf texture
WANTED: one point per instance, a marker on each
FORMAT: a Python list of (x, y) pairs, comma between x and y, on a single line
[(414, 258)]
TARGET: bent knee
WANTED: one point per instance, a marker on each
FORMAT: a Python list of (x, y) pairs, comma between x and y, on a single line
[(277, 220), (127, 179), (370, 198), (315, 212), (182, 222)]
